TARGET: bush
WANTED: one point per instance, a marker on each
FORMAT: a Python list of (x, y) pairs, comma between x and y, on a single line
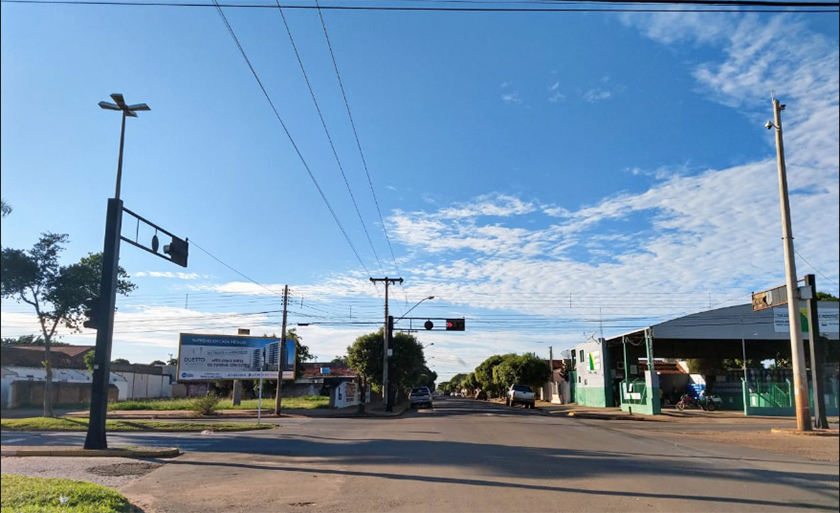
[(205, 405)]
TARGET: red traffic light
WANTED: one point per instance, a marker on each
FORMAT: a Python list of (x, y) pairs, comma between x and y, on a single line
[(455, 325)]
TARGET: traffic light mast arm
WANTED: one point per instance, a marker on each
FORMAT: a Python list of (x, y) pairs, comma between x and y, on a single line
[(178, 249), (450, 324)]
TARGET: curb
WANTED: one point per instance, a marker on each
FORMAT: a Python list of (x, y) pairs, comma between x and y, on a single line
[(590, 416), (170, 452), (816, 432)]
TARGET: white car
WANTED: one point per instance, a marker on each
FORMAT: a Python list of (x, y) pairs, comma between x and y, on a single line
[(420, 396)]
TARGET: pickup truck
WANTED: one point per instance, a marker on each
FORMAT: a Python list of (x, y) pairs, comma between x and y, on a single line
[(521, 394)]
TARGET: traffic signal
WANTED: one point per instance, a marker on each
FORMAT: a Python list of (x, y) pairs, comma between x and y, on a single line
[(454, 324), (177, 250), (93, 312)]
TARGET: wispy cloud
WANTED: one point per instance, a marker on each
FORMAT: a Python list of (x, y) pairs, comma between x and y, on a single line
[(512, 97), (596, 95), (169, 274)]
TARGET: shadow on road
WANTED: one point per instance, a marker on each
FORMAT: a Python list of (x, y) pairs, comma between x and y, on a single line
[(746, 501)]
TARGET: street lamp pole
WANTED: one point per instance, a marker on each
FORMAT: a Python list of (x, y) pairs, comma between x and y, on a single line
[(800, 377), (96, 437)]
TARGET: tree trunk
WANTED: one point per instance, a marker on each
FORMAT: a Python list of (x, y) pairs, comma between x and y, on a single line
[(48, 406)]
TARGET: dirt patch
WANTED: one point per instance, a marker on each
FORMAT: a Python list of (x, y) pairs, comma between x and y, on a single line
[(819, 448), (124, 469)]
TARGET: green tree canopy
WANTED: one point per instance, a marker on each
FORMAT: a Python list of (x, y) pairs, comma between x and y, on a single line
[(407, 362), (56, 292), (526, 369), (30, 340), (485, 377), (825, 296)]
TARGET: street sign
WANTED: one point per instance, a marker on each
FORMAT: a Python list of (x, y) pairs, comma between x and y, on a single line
[(769, 298)]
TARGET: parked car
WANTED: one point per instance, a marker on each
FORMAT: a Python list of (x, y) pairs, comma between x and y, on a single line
[(521, 394), (481, 395), (420, 396)]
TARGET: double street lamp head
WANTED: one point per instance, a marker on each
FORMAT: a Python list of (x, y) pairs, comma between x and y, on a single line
[(127, 111), (119, 104)]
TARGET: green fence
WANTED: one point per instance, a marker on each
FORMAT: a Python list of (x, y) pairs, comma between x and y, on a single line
[(776, 398)]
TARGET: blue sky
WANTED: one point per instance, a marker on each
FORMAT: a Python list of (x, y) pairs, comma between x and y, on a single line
[(545, 175)]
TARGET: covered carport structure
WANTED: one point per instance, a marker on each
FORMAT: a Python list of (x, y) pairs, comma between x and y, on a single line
[(724, 333)]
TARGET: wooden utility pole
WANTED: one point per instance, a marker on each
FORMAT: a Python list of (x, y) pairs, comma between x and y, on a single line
[(280, 353), (386, 335), (797, 349)]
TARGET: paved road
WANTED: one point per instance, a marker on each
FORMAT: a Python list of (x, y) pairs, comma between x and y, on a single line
[(471, 456)]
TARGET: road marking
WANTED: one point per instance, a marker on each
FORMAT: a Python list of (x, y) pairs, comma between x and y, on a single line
[(13, 440)]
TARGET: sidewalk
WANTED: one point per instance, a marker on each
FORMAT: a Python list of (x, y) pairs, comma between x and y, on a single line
[(668, 415)]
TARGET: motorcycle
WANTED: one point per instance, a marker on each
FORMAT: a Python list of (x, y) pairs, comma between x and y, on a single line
[(704, 402)]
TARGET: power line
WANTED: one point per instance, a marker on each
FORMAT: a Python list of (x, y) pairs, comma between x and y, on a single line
[(814, 268), (356, 135), (327, 132), (232, 269), (752, 6), (289, 135)]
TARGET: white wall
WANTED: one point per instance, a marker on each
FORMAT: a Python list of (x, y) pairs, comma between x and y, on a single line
[(131, 385)]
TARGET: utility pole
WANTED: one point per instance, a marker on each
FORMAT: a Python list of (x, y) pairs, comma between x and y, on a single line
[(281, 352), (387, 336), (820, 420), (800, 377), (551, 367)]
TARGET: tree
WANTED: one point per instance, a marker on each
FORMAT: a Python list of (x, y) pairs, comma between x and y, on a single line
[(56, 292), (484, 375), (407, 363), (30, 340), (825, 296), (6, 208), (89, 357), (340, 360), (427, 378), (470, 383), (157, 362), (121, 361), (526, 369)]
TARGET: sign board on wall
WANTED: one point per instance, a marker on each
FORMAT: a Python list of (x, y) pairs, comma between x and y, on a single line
[(211, 357), (829, 320)]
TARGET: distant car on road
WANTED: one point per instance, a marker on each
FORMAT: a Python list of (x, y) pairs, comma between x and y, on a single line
[(521, 394), (420, 396)]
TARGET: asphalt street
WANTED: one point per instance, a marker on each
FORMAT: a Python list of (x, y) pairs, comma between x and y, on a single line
[(466, 455)]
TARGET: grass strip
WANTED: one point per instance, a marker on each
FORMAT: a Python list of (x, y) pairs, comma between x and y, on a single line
[(76, 424), (25, 494), (291, 403)]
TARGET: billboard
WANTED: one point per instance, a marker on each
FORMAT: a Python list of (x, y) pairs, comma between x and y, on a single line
[(829, 320), (211, 357)]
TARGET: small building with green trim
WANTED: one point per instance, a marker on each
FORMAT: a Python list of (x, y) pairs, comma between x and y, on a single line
[(610, 371)]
